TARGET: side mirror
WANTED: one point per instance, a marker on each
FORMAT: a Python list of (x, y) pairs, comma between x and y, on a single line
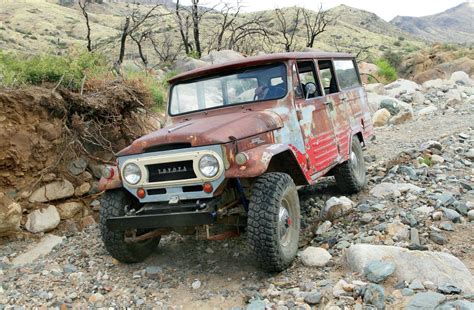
[(310, 89)]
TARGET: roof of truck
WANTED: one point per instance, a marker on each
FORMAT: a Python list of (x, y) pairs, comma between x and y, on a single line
[(252, 61)]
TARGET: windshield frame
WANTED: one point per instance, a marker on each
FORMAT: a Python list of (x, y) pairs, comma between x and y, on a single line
[(224, 73)]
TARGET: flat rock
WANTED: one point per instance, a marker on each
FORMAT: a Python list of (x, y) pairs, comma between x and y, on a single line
[(313, 298), (336, 207), (315, 257), (386, 189), (42, 248), (397, 230), (42, 220), (374, 295), (67, 210), (381, 117), (425, 301), (77, 166), (436, 267), (53, 191)]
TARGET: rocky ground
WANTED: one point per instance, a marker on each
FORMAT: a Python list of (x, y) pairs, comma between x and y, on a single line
[(404, 242)]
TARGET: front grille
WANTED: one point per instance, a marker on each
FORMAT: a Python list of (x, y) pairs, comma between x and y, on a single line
[(180, 170)]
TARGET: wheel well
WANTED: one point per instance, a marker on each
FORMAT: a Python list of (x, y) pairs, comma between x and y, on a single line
[(286, 162)]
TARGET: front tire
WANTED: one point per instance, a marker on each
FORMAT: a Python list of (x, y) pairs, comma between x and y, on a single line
[(112, 204), (274, 221), (351, 175)]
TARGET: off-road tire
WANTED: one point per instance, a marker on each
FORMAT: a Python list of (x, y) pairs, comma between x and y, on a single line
[(269, 193), (112, 204), (349, 178)]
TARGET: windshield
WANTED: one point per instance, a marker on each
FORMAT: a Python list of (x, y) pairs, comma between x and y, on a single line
[(243, 86)]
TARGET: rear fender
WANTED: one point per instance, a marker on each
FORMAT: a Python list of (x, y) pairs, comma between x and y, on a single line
[(271, 158), (110, 183)]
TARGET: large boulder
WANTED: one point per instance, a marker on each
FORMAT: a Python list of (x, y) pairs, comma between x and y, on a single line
[(391, 105), (402, 86), (381, 117), (386, 189), (53, 191), (43, 220), (461, 78), (436, 267), (188, 64), (221, 57), (10, 215), (376, 88)]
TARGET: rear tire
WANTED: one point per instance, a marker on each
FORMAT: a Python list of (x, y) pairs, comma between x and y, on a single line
[(274, 221), (112, 204), (351, 175)]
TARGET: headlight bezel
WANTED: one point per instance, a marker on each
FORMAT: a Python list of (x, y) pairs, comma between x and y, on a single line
[(216, 166), (137, 169)]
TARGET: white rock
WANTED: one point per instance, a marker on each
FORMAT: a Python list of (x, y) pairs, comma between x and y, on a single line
[(380, 117), (324, 227), (336, 207), (339, 290), (376, 88), (10, 215), (196, 285), (386, 189), (42, 220), (315, 257), (418, 97), (428, 110), (461, 78), (42, 248), (53, 191), (397, 230), (222, 56), (82, 189), (424, 210), (437, 267), (436, 159), (470, 215), (67, 210), (453, 97), (401, 86)]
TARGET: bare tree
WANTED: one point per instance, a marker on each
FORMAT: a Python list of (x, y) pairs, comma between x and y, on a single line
[(131, 25), (184, 24), (228, 15), (252, 28), (196, 17), (355, 47), (83, 5), (288, 26), (315, 24), (139, 39), (165, 48)]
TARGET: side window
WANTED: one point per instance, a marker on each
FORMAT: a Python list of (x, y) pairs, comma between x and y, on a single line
[(327, 76), (308, 80), (346, 74)]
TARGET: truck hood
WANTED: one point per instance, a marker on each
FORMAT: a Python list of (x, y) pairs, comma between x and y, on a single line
[(216, 129)]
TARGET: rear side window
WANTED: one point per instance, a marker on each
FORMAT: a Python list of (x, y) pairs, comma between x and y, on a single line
[(346, 74), (328, 80)]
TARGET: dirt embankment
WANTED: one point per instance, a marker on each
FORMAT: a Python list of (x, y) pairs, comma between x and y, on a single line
[(43, 131)]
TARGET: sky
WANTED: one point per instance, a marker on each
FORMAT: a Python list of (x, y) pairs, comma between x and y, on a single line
[(387, 9)]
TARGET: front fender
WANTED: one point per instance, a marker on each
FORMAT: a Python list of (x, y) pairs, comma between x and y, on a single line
[(258, 161), (110, 183)]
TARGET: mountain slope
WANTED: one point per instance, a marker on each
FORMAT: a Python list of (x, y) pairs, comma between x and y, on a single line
[(453, 25)]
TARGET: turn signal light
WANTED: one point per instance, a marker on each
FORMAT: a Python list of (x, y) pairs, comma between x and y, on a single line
[(207, 187), (141, 193)]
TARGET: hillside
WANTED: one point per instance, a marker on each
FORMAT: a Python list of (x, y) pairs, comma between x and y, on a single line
[(43, 26), (453, 25)]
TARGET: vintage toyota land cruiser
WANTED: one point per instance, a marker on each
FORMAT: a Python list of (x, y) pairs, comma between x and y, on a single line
[(240, 137)]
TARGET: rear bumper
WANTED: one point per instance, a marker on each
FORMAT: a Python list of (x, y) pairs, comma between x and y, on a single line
[(179, 219)]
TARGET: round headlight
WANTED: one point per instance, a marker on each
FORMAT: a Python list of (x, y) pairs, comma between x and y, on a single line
[(132, 173), (209, 166)]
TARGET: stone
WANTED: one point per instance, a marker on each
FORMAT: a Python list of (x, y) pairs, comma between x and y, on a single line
[(313, 298), (418, 97), (397, 230), (336, 207), (10, 215), (42, 248), (222, 56), (416, 285), (315, 257), (452, 215), (445, 225), (42, 220), (470, 215), (427, 111), (430, 145), (436, 159), (378, 271), (453, 97), (196, 285), (77, 166), (469, 154), (96, 298), (402, 86), (424, 211), (461, 78), (338, 289), (153, 272), (53, 191), (82, 189), (438, 238), (386, 189), (391, 105), (456, 305), (448, 288), (407, 292), (376, 88), (95, 205), (425, 301), (188, 63), (437, 267), (67, 210), (87, 221), (366, 218), (323, 228), (256, 304), (374, 295), (436, 83), (402, 117), (380, 117)]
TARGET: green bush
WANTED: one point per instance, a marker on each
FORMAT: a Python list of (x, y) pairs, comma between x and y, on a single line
[(393, 58), (386, 70), (70, 68)]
